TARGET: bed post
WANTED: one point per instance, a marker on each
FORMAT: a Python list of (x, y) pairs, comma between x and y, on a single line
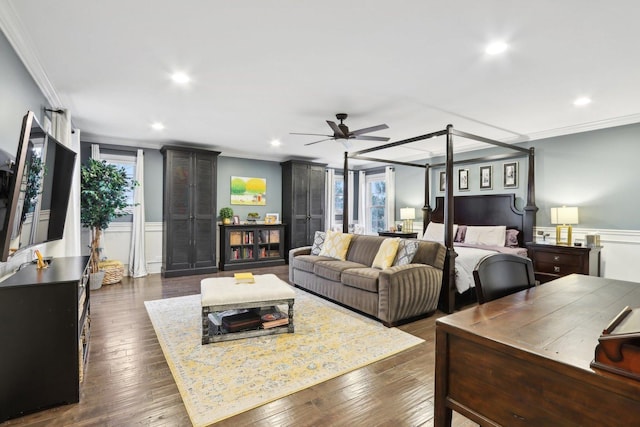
[(447, 292), (530, 209), (345, 199), (426, 209)]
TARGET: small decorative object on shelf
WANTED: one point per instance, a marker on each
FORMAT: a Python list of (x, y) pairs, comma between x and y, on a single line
[(226, 214), (252, 217)]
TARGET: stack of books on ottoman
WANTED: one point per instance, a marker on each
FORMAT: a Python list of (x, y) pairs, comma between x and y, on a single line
[(242, 320)]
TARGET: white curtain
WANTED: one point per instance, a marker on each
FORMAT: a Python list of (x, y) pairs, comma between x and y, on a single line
[(390, 199), (362, 200), (61, 129), (95, 151), (329, 208), (137, 257), (351, 194)]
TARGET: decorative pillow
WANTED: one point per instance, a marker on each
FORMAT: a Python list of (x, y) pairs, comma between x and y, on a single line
[(511, 239), (435, 232), (318, 240), (386, 254), (462, 230), (486, 235), (406, 251), (336, 245)]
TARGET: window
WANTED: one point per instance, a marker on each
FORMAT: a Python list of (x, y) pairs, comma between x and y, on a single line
[(128, 162), (338, 198), (376, 196)]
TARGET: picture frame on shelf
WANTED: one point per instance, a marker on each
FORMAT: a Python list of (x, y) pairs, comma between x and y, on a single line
[(486, 177), (443, 180), (272, 218), (510, 175), (463, 179), (235, 220)]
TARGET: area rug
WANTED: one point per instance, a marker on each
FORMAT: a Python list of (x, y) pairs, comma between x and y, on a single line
[(219, 380)]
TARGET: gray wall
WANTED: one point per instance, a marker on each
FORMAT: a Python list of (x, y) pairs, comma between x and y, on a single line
[(18, 94), (592, 170)]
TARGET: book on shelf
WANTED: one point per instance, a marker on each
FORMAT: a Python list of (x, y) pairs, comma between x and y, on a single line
[(274, 323), (244, 277)]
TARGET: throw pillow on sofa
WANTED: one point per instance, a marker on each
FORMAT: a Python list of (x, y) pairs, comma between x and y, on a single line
[(336, 245), (386, 254), (318, 240), (407, 249)]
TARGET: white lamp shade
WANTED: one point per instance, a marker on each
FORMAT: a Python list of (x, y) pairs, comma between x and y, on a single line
[(564, 215), (407, 213)]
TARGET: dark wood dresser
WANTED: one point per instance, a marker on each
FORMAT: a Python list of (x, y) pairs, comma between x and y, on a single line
[(553, 261)]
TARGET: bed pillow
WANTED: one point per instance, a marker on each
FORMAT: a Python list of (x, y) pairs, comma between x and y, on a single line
[(462, 230), (435, 232), (318, 240), (386, 254), (336, 245), (511, 239), (407, 249), (486, 235)]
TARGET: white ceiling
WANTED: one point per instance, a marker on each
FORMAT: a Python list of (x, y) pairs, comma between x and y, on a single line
[(261, 69)]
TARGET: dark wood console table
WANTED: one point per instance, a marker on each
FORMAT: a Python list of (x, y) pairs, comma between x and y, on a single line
[(524, 359), (44, 336)]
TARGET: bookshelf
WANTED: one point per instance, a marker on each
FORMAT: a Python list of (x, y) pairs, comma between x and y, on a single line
[(251, 245)]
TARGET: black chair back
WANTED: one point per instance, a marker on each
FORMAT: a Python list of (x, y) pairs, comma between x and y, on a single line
[(499, 275)]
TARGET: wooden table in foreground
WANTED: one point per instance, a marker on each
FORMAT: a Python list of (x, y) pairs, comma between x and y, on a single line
[(523, 360)]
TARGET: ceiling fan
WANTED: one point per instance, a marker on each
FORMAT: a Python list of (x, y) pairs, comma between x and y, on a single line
[(341, 131)]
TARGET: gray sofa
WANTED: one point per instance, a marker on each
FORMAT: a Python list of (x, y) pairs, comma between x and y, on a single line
[(393, 295)]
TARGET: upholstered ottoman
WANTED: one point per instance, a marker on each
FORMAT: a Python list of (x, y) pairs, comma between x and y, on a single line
[(223, 293)]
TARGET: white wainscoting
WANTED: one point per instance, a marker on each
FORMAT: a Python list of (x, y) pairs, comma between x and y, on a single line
[(116, 243)]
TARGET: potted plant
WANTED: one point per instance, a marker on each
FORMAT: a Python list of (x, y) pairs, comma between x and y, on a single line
[(226, 214), (253, 216), (103, 196)]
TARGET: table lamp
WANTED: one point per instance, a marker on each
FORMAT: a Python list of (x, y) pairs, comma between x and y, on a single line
[(407, 215), (564, 217)]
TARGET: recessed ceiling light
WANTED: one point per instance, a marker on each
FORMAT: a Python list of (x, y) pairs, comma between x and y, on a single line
[(582, 101), (275, 143), (157, 126), (496, 48), (180, 78)]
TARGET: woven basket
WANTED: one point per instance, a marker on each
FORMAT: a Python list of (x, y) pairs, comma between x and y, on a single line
[(113, 271)]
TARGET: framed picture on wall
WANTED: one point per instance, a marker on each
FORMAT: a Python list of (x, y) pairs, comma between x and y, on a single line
[(463, 179), (443, 180), (486, 177), (510, 173)]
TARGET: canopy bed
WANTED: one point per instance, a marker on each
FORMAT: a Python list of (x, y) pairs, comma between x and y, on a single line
[(474, 210)]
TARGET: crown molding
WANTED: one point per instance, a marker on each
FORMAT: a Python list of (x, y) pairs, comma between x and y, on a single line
[(14, 30)]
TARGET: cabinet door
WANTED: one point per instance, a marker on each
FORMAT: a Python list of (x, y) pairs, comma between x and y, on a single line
[(316, 202), (300, 202), (204, 196), (178, 210)]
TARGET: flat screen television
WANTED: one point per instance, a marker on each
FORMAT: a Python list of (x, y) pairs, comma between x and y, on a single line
[(35, 186)]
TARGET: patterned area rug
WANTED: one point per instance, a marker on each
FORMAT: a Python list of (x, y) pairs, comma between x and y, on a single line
[(223, 379)]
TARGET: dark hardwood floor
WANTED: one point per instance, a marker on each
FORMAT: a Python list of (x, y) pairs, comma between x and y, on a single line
[(128, 382)]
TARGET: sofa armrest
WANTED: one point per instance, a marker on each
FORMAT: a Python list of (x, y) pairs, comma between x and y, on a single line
[(407, 291), (303, 250)]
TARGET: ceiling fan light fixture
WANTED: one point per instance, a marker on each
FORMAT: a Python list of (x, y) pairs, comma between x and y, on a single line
[(157, 126), (180, 78)]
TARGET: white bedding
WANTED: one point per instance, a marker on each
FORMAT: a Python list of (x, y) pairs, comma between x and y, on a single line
[(468, 257)]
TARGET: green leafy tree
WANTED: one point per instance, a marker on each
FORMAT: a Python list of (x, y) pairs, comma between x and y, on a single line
[(103, 195)]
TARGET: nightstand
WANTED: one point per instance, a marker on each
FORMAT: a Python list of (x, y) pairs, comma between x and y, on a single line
[(553, 261), (402, 234)]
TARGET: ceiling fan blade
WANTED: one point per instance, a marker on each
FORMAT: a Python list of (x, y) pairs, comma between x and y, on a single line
[(337, 131), (371, 138), (314, 134), (315, 142), (367, 130)]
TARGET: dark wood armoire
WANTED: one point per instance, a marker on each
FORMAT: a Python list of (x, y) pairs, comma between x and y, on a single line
[(303, 200), (189, 211)]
